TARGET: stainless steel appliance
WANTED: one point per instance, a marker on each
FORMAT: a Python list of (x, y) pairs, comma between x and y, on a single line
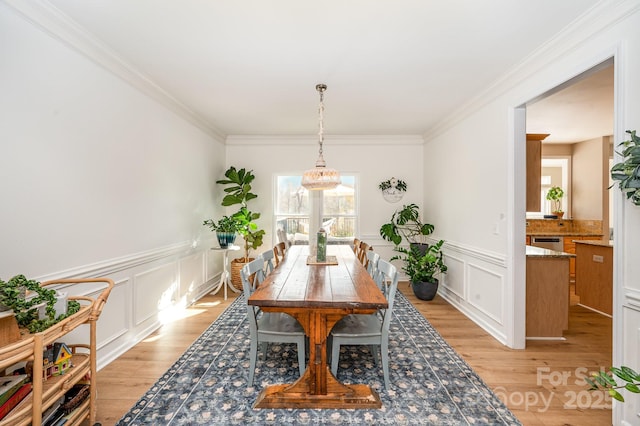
[(551, 243)]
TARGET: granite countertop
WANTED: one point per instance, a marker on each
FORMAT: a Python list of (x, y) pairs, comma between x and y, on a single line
[(596, 242), (543, 252), (562, 234)]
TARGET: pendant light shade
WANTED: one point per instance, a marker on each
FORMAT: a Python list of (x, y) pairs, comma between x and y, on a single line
[(320, 177)]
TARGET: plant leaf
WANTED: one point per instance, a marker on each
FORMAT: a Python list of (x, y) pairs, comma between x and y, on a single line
[(616, 395), (631, 387)]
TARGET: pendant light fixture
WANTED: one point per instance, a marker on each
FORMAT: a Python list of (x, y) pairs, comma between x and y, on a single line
[(320, 177)]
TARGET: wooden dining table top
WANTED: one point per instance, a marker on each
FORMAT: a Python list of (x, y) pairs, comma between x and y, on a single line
[(294, 283)]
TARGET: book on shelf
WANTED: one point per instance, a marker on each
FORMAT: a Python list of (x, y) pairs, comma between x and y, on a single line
[(51, 412), (9, 385), (15, 399)]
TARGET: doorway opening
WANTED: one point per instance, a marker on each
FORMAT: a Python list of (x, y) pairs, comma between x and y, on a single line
[(578, 115)]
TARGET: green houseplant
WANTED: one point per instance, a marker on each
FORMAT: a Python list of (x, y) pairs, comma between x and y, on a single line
[(555, 194), (627, 173), (14, 295), (237, 191), (606, 381), (422, 265), (225, 228), (405, 224)]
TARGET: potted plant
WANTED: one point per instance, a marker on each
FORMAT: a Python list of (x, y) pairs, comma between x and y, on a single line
[(555, 194), (627, 173), (405, 224), (225, 228), (421, 266), (238, 192), (27, 298)]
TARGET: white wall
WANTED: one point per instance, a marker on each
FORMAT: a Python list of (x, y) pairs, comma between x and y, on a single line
[(589, 168), (372, 158), (473, 153), (98, 178)]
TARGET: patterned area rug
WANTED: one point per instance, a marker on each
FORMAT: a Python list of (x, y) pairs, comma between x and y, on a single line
[(430, 383)]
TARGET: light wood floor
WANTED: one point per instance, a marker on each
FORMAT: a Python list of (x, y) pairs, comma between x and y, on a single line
[(538, 384)]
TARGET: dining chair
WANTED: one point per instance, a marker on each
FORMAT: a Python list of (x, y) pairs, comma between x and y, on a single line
[(362, 254), (267, 257), (279, 250), (372, 264), (266, 327), (356, 245), (372, 330), (282, 237)]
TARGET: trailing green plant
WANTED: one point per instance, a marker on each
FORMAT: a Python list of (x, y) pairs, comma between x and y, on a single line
[(421, 264), (605, 380), (13, 295), (627, 173), (405, 223), (555, 194), (225, 224), (238, 191), (393, 183)]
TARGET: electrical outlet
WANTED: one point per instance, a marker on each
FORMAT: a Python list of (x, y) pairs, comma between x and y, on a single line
[(597, 258)]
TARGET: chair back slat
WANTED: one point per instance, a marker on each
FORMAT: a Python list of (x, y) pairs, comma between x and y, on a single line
[(389, 276), (372, 265), (268, 258), (279, 251)]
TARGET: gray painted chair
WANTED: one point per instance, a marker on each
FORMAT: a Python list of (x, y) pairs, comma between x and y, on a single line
[(372, 264), (266, 327), (268, 258), (372, 330)]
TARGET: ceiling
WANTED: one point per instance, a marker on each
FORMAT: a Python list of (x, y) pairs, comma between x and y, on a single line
[(392, 67), (583, 110)]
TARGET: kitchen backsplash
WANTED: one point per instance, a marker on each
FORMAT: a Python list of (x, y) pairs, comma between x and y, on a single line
[(564, 225)]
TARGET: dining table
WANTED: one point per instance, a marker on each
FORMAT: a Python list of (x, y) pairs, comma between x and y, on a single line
[(318, 294)]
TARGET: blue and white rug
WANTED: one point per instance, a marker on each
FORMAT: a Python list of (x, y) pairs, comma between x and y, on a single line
[(431, 384)]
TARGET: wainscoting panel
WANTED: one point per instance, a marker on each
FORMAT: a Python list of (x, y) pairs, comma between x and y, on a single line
[(213, 264), (631, 318), (486, 289), (454, 278), (154, 290), (192, 270), (475, 284)]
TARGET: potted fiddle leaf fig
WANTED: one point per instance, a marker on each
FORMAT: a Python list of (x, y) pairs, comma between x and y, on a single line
[(237, 184)]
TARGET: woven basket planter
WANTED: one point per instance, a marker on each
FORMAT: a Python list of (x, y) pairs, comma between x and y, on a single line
[(236, 266)]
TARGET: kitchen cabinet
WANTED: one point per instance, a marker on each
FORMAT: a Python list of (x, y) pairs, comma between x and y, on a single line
[(30, 347), (534, 170), (547, 308), (594, 275), (570, 247)]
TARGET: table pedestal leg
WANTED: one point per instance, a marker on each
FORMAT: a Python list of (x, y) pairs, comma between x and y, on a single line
[(318, 387)]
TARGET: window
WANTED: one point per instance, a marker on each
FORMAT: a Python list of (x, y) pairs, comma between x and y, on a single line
[(292, 210)]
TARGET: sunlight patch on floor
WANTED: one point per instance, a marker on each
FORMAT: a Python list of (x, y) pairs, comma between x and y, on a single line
[(177, 312), (207, 304)]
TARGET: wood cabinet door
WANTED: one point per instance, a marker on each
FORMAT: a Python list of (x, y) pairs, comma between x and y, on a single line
[(534, 172)]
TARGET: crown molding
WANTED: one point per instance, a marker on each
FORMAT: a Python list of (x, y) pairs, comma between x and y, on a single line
[(289, 140), (44, 15), (599, 17)]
